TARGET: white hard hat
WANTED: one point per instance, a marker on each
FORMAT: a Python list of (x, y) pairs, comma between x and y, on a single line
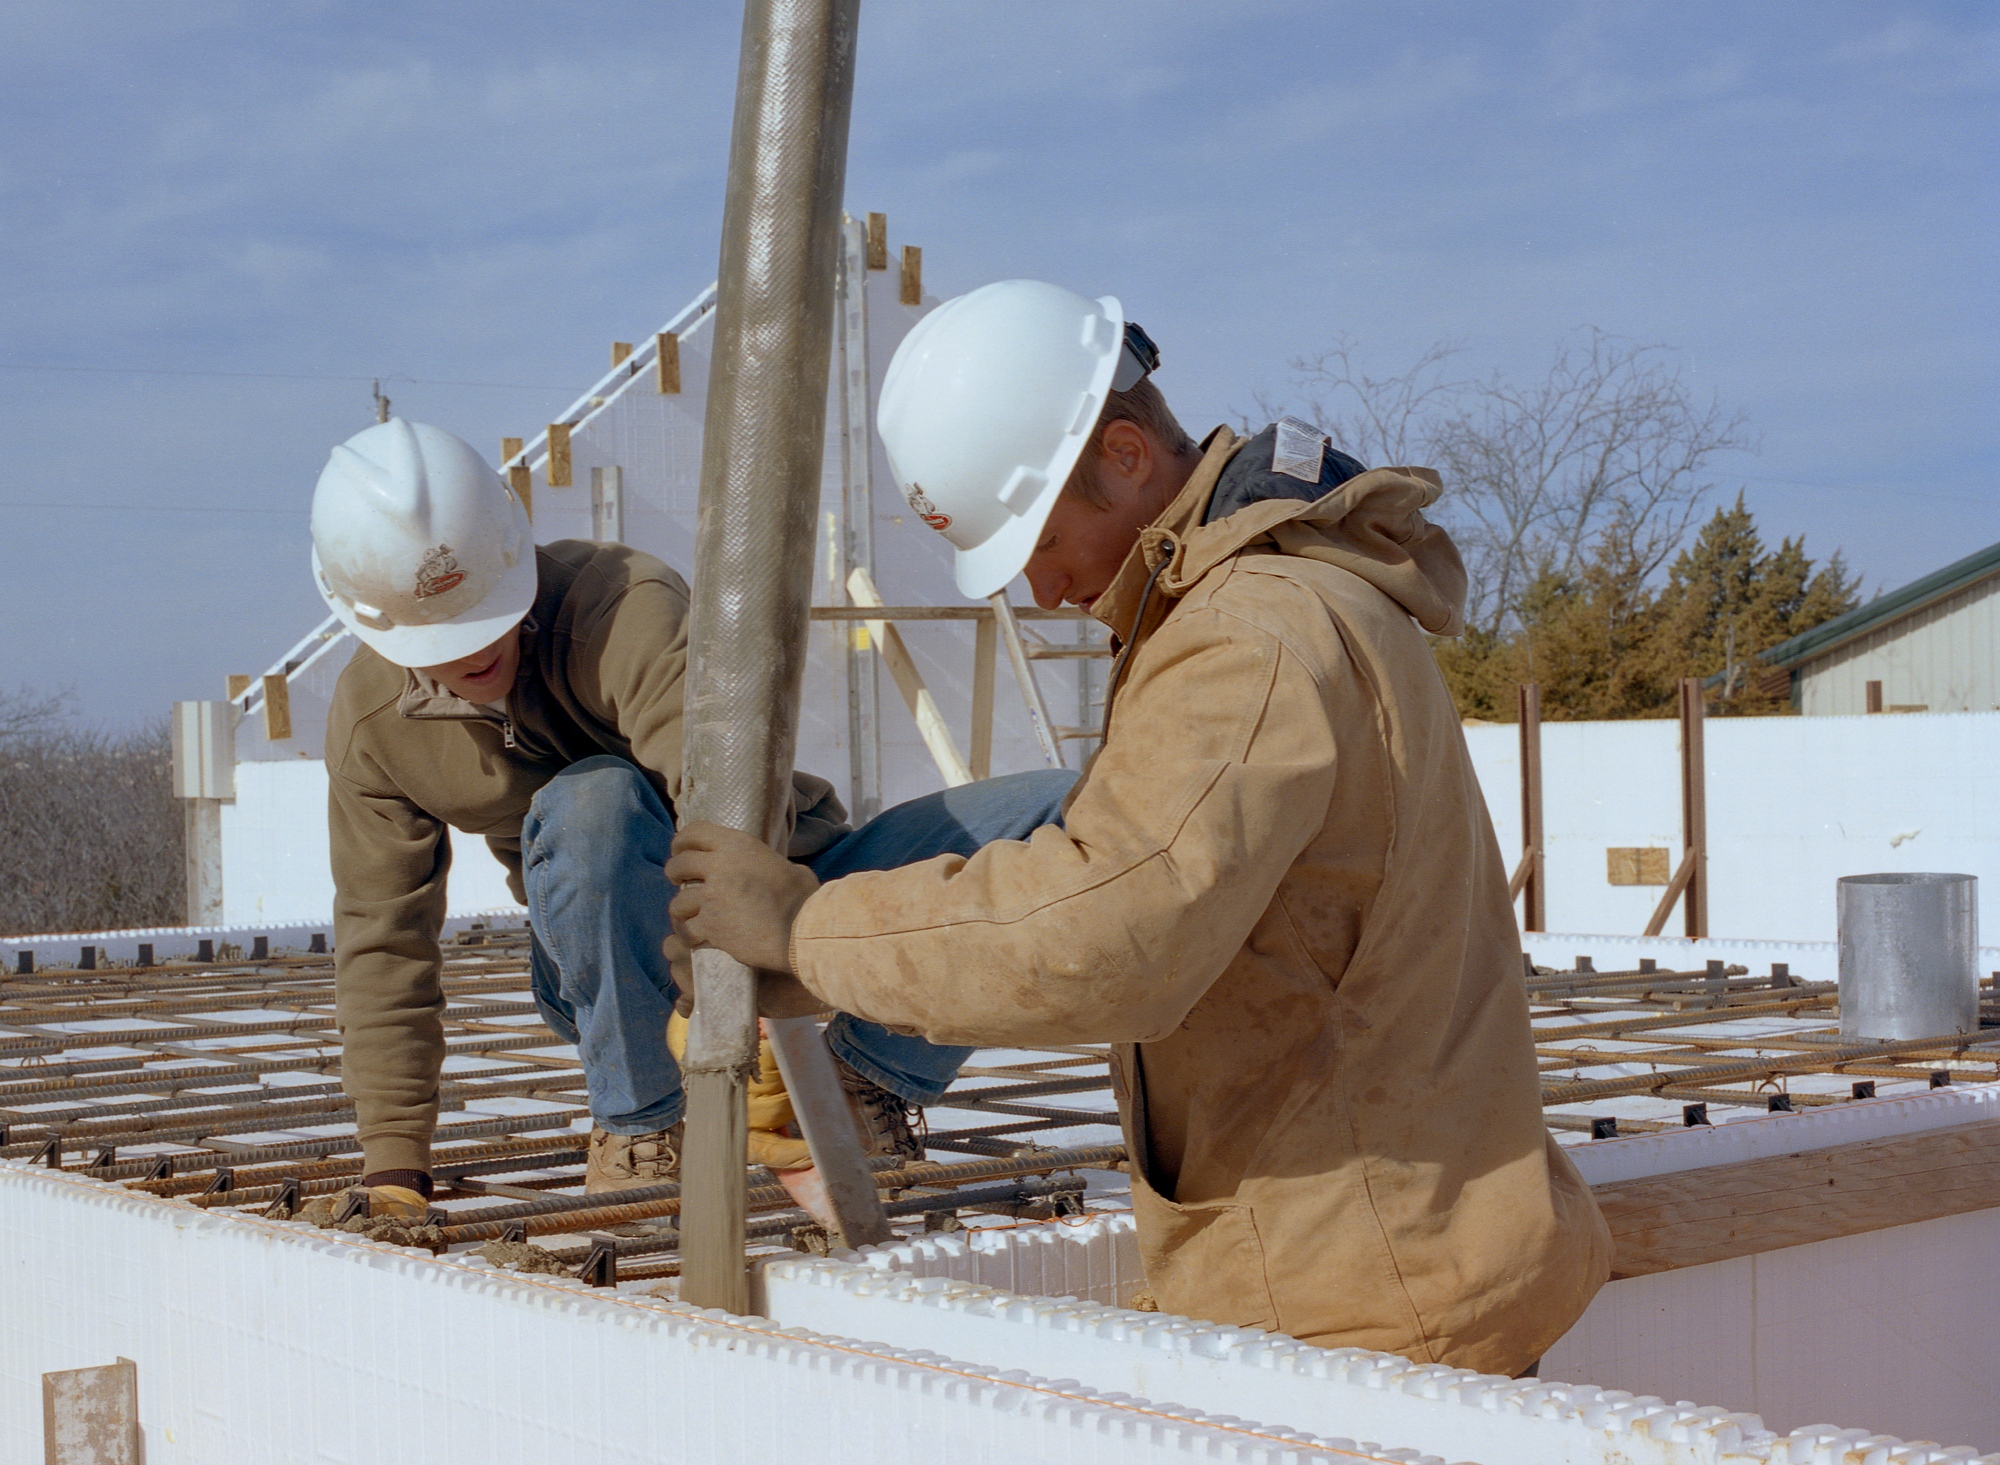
[(986, 407), (418, 546)]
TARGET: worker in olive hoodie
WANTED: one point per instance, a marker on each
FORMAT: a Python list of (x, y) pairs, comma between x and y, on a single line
[(532, 695), (1276, 892)]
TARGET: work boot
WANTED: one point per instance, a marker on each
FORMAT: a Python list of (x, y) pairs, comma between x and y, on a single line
[(628, 1161), (890, 1124)]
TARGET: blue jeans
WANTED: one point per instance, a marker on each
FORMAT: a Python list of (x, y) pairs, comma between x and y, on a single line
[(593, 849)]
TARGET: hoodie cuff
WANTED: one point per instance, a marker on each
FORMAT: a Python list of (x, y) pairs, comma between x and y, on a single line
[(394, 1152)]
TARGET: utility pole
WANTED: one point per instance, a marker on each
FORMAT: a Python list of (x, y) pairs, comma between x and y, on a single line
[(760, 471), (381, 402)]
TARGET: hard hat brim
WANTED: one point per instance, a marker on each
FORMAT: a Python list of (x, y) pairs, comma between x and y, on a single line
[(988, 567), (434, 645)]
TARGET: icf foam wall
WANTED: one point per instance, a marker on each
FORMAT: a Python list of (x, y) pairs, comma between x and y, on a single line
[(1604, 1391), (1793, 804), (263, 1341), (276, 859), (267, 1341)]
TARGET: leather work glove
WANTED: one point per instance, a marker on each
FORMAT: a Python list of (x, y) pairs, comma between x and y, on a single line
[(737, 894), (779, 994)]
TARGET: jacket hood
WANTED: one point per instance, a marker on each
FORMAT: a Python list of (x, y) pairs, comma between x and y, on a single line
[(1368, 522)]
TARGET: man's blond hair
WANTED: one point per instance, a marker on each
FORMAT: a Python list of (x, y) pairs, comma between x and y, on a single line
[(1144, 408)]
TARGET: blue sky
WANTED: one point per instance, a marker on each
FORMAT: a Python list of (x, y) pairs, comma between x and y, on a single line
[(219, 220)]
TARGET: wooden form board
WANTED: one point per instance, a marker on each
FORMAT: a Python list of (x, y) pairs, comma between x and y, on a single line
[(1667, 1222), (910, 682)]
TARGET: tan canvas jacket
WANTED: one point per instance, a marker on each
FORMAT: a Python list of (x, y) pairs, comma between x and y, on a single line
[(602, 657), (1279, 894)]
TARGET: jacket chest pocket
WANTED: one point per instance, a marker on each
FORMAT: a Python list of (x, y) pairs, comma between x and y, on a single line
[(1204, 1260)]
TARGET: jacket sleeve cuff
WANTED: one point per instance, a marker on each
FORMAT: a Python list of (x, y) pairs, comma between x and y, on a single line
[(395, 1152)]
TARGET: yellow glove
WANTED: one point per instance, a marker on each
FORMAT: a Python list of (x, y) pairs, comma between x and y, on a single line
[(773, 1139)]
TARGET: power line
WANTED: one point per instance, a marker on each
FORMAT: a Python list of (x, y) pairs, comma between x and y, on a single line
[(277, 376)]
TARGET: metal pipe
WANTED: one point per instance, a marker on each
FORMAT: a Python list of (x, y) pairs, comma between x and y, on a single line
[(761, 453), (1909, 955)]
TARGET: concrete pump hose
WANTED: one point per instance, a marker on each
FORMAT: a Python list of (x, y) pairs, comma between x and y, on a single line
[(760, 475)]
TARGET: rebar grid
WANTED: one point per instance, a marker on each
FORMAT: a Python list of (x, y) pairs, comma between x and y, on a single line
[(218, 1082)]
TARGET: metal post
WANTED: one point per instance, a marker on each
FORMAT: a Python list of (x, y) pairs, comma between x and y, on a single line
[(1694, 809), (1534, 906), (607, 504), (204, 776), (857, 512), (201, 823), (761, 453)]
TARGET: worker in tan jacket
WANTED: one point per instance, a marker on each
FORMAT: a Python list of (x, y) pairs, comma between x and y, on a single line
[(1277, 892), (532, 694)]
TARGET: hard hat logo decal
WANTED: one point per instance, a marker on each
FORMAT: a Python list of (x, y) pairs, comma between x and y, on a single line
[(438, 573), (928, 511)]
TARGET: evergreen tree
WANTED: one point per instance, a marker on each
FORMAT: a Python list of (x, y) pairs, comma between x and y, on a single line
[(1602, 643)]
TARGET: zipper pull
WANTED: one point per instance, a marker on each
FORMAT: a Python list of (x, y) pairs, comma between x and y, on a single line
[(507, 732)]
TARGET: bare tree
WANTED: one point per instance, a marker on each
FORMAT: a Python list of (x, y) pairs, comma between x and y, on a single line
[(1610, 441), (90, 832), (25, 713)]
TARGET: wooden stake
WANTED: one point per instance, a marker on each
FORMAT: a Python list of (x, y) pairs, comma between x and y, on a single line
[(667, 363), (523, 483), (238, 685), (913, 275), (878, 241), (1672, 893), (1534, 912), (910, 682), (277, 708), (1694, 808), (621, 351), (510, 449), (986, 642), (559, 455)]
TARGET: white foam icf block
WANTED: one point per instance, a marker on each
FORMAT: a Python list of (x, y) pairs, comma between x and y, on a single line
[(1898, 1329), (270, 1342), (1581, 1408)]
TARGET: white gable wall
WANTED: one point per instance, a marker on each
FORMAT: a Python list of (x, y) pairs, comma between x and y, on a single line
[(1943, 658)]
